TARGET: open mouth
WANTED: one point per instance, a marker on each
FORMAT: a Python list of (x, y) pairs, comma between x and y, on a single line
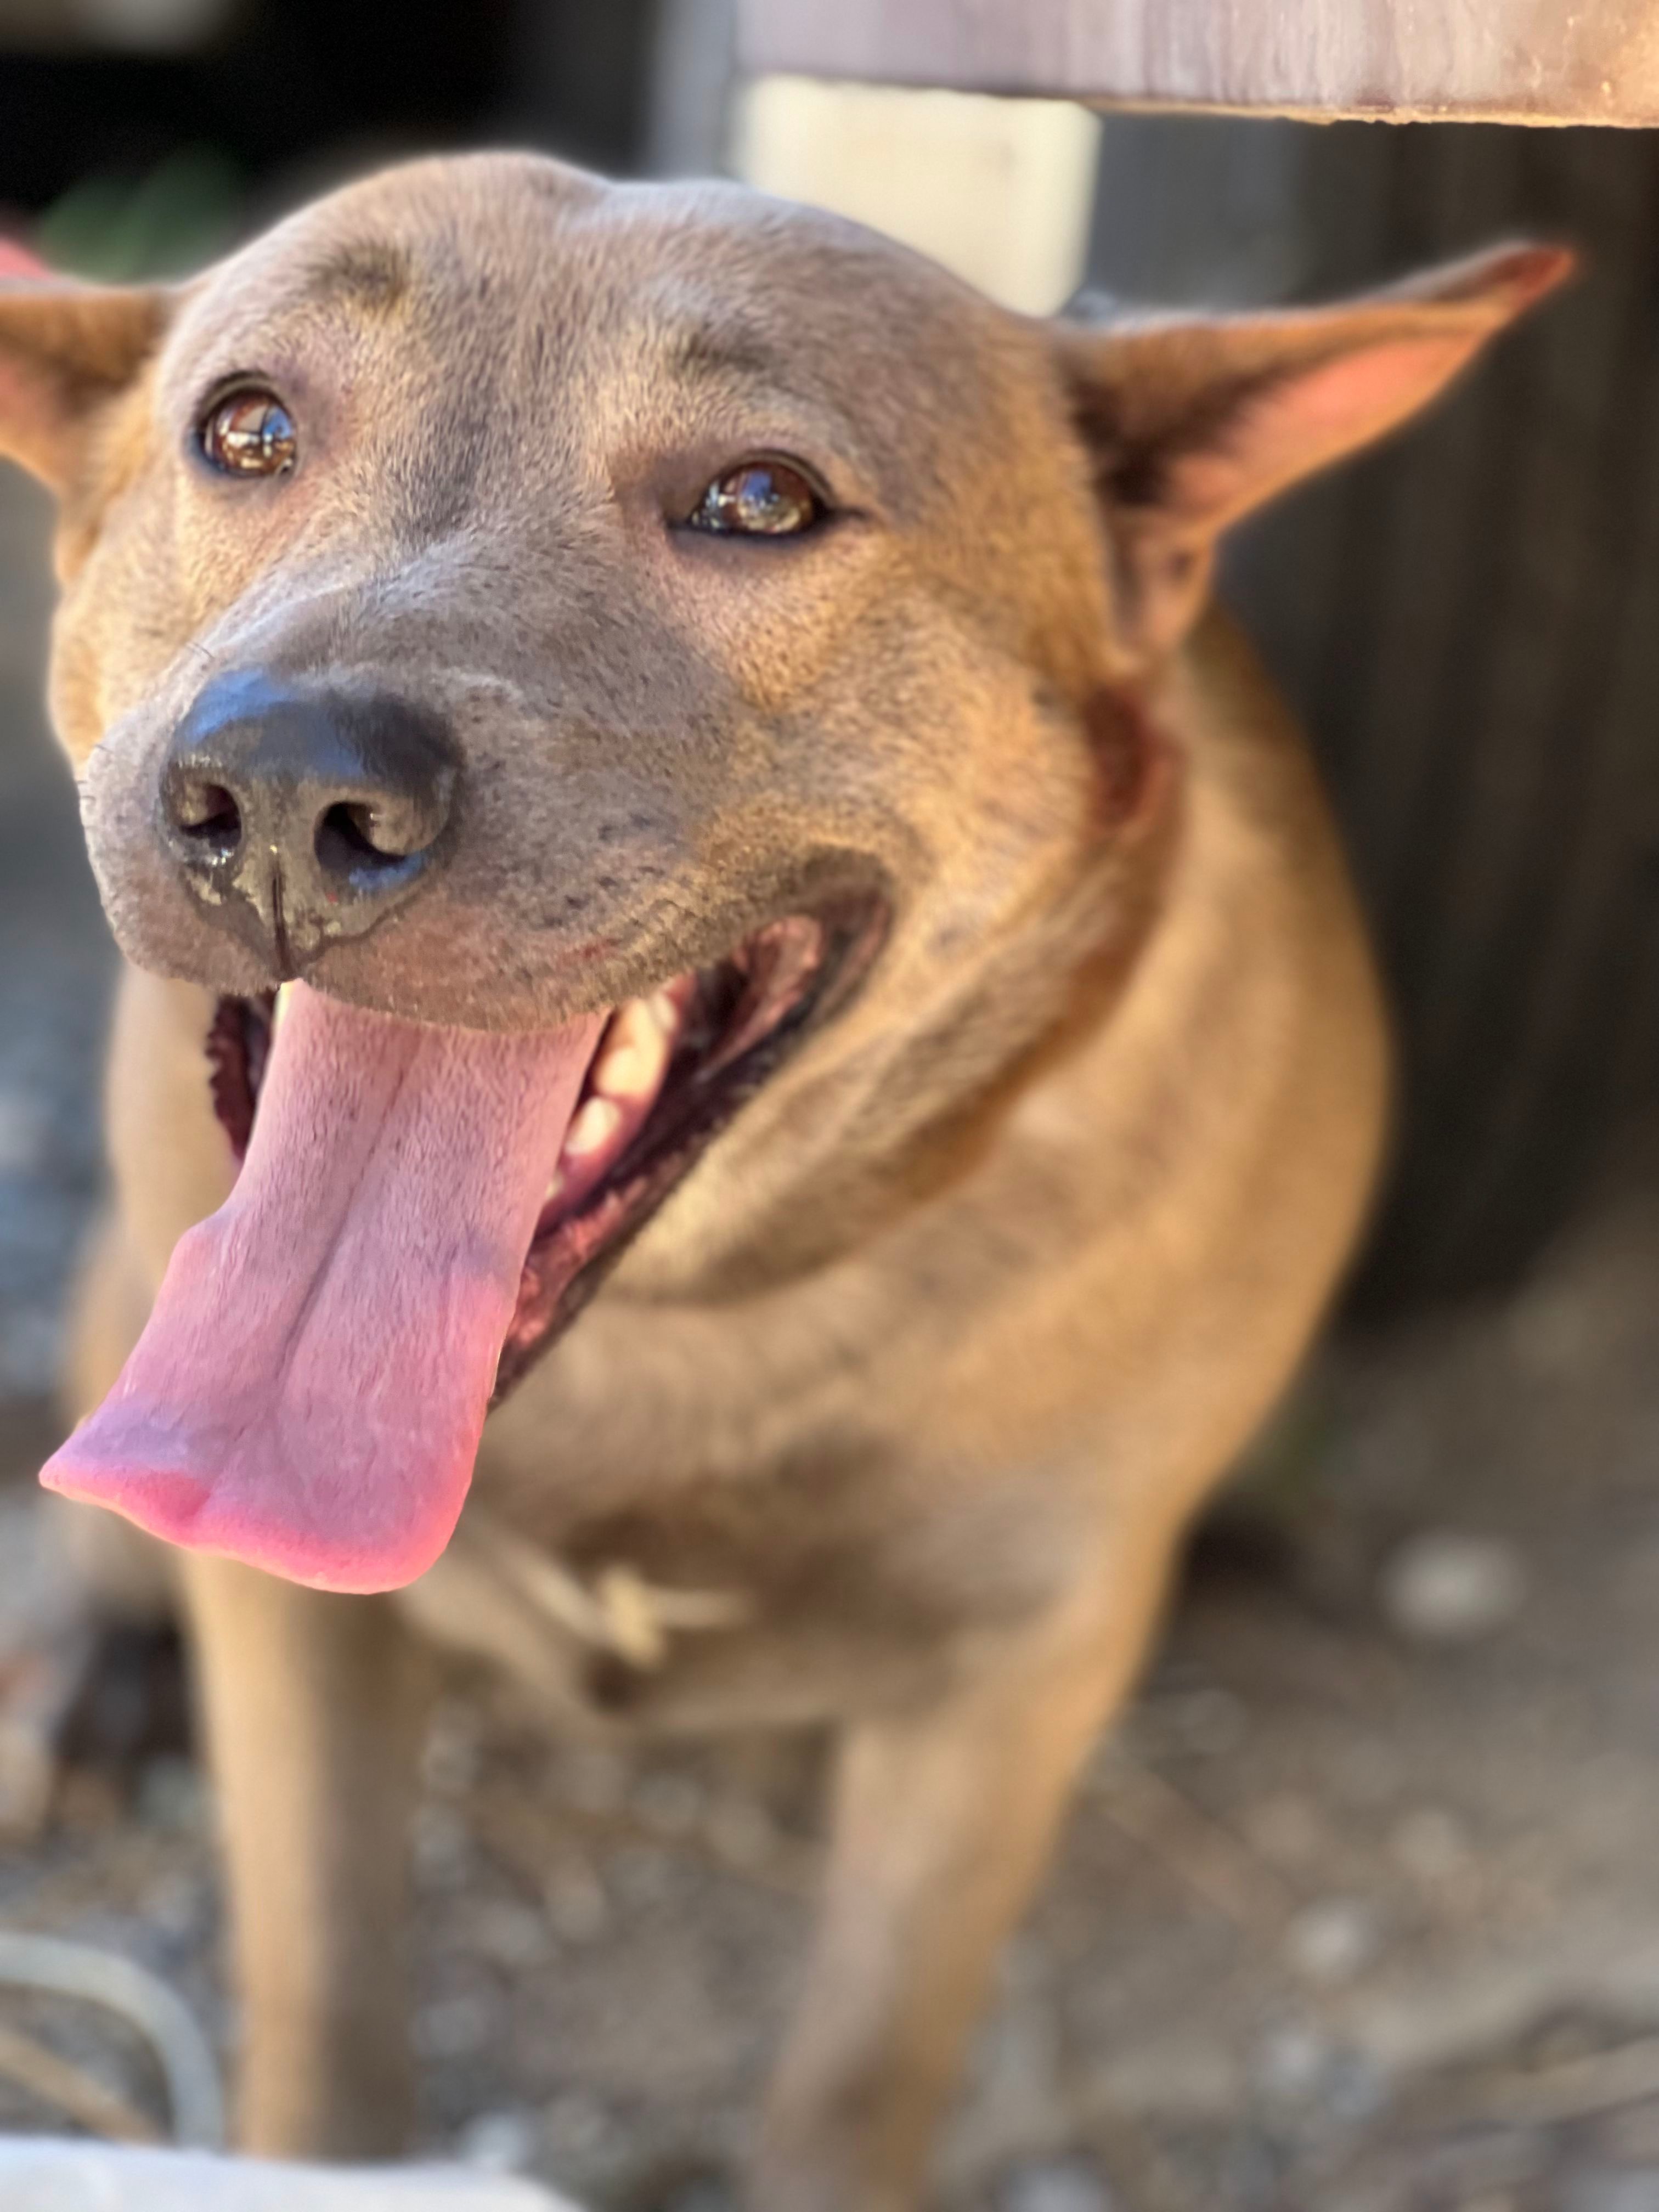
[(419, 1213), (668, 1074)]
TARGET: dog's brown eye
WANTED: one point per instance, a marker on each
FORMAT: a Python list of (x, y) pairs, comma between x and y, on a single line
[(762, 499), (250, 433)]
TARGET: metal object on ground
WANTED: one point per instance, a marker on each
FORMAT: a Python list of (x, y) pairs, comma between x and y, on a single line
[(145, 2003), (36, 2171)]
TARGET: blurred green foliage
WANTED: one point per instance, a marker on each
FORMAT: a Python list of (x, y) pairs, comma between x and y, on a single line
[(120, 230)]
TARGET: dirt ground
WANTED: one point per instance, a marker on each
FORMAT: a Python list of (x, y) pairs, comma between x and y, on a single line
[(1359, 1912)]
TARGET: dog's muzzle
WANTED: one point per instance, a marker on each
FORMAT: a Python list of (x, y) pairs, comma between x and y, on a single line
[(299, 815)]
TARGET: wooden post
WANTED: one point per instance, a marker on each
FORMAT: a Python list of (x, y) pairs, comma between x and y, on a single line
[(1000, 191), (1516, 61)]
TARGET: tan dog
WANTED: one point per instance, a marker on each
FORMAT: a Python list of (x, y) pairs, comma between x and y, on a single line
[(717, 715)]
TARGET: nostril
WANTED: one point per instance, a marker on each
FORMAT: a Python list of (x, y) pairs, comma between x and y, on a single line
[(355, 825), (352, 839), (208, 815)]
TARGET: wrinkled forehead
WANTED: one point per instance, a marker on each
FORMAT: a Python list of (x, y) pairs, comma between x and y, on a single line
[(518, 279)]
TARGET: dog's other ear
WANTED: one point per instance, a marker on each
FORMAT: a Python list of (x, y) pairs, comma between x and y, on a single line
[(65, 349), (1192, 423)]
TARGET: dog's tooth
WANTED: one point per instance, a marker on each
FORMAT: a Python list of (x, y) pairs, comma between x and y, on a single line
[(624, 1072), (555, 1188), (637, 1024), (665, 1012), (596, 1123), (635, 1054), (279, 1010)]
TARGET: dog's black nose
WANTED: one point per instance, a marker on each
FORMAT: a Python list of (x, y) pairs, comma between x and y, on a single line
[(304, 814)]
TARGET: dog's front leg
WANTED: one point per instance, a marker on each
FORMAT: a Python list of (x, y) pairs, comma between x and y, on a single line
[(312, 1706), (944, 1820)]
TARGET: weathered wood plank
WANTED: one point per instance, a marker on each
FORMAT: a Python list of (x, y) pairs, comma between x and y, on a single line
[(1464, 622), (1529, 61)]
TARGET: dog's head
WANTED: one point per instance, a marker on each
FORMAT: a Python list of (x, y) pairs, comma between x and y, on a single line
[(618, 653)]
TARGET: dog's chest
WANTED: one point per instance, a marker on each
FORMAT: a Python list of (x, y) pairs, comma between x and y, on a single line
[(774, 1604), (691, 1519)]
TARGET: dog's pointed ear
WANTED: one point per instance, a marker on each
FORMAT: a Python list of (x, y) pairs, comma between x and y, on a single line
[(1190, 423), (65, 349)]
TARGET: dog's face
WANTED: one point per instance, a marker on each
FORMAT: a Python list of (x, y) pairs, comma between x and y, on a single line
[(699, 562), (517, 606)]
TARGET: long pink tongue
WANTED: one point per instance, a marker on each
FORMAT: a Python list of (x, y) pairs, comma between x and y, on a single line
[(310, 1392)]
